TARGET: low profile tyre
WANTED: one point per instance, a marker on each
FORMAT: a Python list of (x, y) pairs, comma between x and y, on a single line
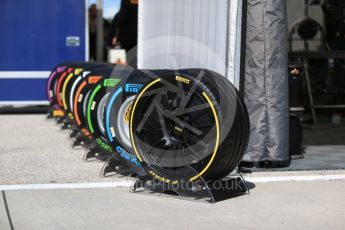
[(242, 122), (117, 110), (95, 113), (81, 97), (189, 121), (78, 73), (122, 104), (54, 78)]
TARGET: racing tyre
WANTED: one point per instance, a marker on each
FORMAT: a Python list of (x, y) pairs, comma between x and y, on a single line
[(189, 121)]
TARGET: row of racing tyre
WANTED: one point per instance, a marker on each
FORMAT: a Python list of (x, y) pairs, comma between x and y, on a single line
[(172, 125)]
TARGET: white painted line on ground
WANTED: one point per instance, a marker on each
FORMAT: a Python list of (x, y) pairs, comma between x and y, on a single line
[(23, 103), (66, 186), (24, 74), (295, 178), (128, 184)]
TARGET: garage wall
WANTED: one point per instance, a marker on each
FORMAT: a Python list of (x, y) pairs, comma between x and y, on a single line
[(295, 11)]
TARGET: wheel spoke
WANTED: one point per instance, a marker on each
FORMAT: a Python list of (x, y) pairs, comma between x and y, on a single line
[(194, 154), (192, 109), (146, 116), (199, 142), (165, 100), (162, 122)]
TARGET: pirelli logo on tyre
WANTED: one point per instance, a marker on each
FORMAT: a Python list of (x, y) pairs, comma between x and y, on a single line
[(160, 178), (133, 88), (183, 80), (111, 82), (77, 71), (94, 79)]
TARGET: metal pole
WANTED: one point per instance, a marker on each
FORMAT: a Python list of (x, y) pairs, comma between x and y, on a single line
[(99, 31), (306, 8), (310, 93)]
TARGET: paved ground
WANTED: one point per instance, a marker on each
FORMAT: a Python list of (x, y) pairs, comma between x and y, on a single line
[(324, 132), (325, 157), (297, 205), (35, 151)]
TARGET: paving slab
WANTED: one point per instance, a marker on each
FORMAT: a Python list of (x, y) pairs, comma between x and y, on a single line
[(280, 205)]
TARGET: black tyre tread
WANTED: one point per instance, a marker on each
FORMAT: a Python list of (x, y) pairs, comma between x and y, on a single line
[(232, 147), (229, 153)]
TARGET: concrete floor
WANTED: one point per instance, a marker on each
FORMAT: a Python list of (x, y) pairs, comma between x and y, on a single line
[(35, 151), (297, 205)]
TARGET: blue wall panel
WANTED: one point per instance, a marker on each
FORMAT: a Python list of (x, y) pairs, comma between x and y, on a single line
[(23, 89), (33, 38), (33, 33)]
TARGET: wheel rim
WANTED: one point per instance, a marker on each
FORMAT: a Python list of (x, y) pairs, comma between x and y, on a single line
[(100, 113), (123, 121), (183, 151)]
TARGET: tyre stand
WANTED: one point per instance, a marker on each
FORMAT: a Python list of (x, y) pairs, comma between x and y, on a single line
[(50, 112), (97, 153), (73, 133), (67, 125), (198, 190), (121, 166), (90, 154), (60, 120), (81, 140)]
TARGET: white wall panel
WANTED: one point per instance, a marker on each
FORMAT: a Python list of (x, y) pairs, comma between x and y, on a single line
[(189, 34)]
